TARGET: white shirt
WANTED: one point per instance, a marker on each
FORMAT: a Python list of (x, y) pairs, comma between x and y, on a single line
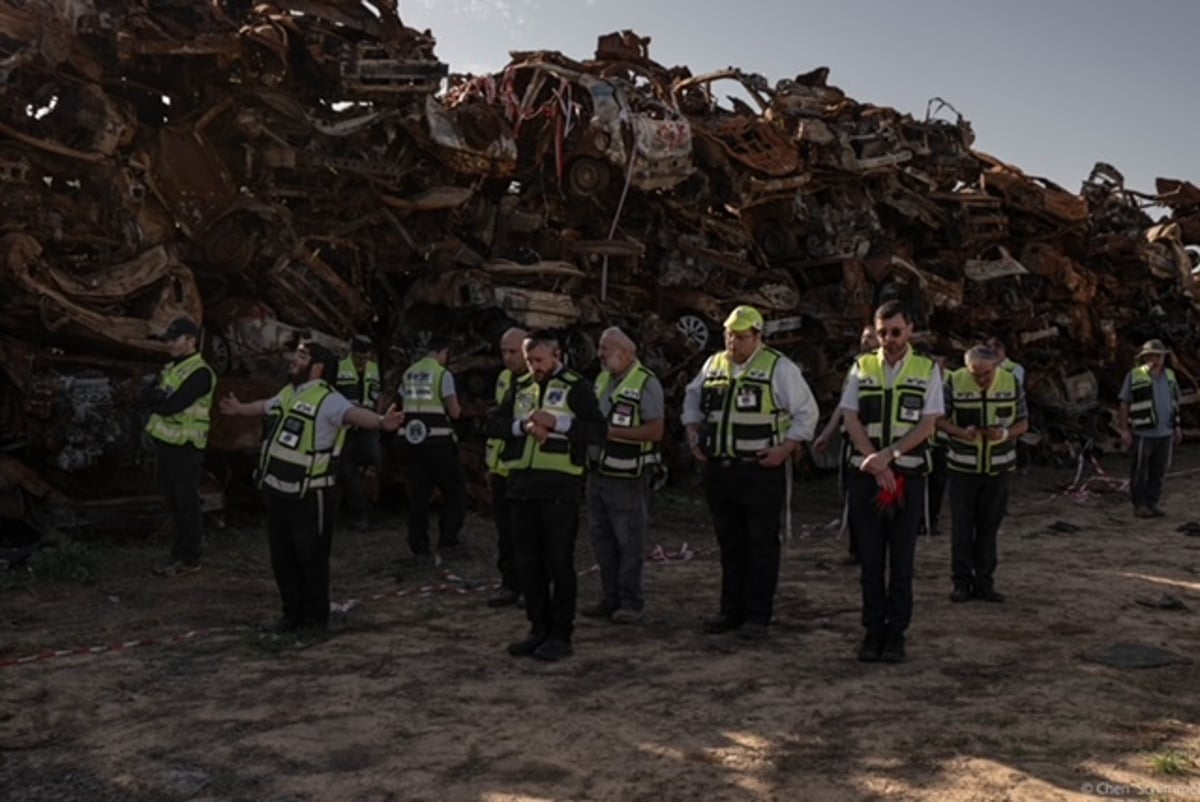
[(788, 386)]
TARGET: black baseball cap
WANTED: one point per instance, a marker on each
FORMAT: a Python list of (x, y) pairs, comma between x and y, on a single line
[(179, 327), (361, 344)]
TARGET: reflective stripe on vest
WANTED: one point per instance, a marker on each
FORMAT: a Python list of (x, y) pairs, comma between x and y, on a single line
[(618, 458), (556, 453), (1143, 416), (741, 416), (290, 462), (889, 413), (975, 407), (424, 409), (189, 427), (349, 383), (495, 445)]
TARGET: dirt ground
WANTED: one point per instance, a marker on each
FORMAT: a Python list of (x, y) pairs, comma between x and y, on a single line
[(414, 698)]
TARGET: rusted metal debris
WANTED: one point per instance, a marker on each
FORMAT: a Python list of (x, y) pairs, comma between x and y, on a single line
[(311, 165)]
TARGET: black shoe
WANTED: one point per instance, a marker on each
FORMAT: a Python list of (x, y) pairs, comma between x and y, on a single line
[(312, 631), (598, 610), (524, 648), (553, 650), (961, 594), (872, 647), (455, 551), (417, 560), (989, 595), (752, 630), (177, 568), (720, 624), (504, 597), (1156, 511), (283, 626), (893, 647), (1143, 512)]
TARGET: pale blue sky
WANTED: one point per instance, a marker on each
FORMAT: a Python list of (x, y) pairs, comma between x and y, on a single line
[(1051, 86)]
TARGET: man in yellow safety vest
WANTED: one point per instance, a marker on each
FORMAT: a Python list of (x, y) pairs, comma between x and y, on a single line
[(358, 379), (306, 428), (431, 452), (985, 414), (891, 402), (1149, 421), (179, 406), (618, 484), (514, 371), (747, 413), (547, 421)]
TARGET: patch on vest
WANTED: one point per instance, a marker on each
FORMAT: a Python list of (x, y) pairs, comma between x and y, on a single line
[(748, 398), (289, 435), (556, 397), (910, 407), (622, 415), (415, 432), (305, 409)]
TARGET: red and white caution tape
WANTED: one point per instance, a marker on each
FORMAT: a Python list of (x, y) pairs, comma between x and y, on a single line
[(112, 648)]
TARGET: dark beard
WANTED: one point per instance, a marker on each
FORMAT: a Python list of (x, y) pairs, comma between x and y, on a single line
[(296, 378)]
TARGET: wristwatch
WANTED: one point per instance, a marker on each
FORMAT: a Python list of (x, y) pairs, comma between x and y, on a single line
[(896, 454)]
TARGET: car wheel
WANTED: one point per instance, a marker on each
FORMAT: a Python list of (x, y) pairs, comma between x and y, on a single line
[(696, 331)]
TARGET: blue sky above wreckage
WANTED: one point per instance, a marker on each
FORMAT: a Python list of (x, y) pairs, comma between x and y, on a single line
[(1052, 86)]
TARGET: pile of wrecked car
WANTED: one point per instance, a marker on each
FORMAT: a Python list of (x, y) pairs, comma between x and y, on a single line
[(310, 166)]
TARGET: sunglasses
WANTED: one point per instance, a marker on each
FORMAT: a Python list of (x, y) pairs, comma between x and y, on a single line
[(895, 333)]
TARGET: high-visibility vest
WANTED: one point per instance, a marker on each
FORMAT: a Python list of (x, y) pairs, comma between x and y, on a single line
[(189, 427), (889, 413), (363, 390), (556, 453), (1143, 415), (974, 406), (741, 414), (425, 417), (290, 462), (495, 445), (619, 458)]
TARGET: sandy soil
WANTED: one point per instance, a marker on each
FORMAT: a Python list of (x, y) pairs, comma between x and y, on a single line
[(414, 698)]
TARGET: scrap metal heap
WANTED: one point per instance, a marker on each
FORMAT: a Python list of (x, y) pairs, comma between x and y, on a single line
[(311, 166)]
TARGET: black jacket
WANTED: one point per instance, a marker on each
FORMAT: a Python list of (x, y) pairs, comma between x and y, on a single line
[(589, 428)]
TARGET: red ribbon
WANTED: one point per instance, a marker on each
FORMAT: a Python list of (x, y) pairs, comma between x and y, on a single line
[(888, 502)]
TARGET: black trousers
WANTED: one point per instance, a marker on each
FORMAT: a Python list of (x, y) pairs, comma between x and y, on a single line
[(978, 504), (180, 469), (299, 532), (544, 532), (886, 546), (937, 480), (506, 557), (435, 464), (1148, 468), (746, 502), (361, 451)]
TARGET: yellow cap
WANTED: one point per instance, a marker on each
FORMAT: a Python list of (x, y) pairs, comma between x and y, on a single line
[(744, 318)]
